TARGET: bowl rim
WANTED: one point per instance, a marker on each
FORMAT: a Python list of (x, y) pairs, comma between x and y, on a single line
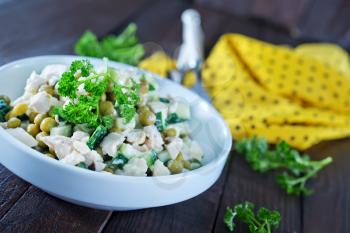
[(223, 155)]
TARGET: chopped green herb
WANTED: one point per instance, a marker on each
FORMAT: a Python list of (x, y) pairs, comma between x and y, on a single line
[(97, 137), (264, 221), (298, 169), (124, 48)]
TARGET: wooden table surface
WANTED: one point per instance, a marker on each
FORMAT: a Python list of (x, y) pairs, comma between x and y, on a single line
[(29, 28)]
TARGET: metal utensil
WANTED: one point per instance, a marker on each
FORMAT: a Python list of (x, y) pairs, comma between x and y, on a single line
[(190, 57)]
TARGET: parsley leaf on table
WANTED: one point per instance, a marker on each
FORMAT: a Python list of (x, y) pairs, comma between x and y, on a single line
[(298, 169), (261, 222), (124, 48)]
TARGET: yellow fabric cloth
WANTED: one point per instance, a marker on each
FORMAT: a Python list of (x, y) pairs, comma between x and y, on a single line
[(275, 91)]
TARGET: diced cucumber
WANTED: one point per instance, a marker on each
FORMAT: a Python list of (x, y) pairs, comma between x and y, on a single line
[(128, 151), (164, 156), (96, 138), (63, 130), (119, 161), (183, 110), (82, 165), (84, 128), (4, 109), (150, 158), (23, 117), (160, 121), (195, 165), (174, 118), (196, 151), (164, 100)]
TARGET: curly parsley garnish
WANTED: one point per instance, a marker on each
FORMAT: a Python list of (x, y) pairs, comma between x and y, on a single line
[(262, 222), (127, 97), (124, 48), (82, 109), (298, 169)]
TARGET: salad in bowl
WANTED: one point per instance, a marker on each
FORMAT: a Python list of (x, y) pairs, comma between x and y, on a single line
[(103, 119), (107, 135)]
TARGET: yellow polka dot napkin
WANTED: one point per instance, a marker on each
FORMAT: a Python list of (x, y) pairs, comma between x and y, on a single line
[(298, 95)]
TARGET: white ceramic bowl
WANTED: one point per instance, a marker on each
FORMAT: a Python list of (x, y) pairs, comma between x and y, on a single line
[(103, 190)]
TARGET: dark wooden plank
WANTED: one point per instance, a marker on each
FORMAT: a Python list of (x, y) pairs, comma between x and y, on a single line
[(158, 22), (328, 209), (39, 212), (51, 27), (216, 23), (12, 188), (316, 23), (236, 7), (196, 215), (309, 19), (243, 184)]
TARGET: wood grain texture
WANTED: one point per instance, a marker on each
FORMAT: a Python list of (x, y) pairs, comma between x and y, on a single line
[(327, 20), (328, 209), (34, 31), (243, 184), (37, 211), (12, 188), (37, 27)]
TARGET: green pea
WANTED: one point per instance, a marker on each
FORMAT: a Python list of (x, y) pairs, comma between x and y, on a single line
[(147, 118), (175, 166), (14, 122), (106, 108), (47, 124)]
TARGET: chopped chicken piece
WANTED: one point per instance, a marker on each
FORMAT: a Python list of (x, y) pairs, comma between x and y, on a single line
[(60, 144), (73, 158), (159, 169), (174, 147), (155, 140), (80, 136), (136, 167), (136, 136), (111, 142), (157, 106), (23, 136)]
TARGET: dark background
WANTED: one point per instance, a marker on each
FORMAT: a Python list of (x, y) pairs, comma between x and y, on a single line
[(29, 28)]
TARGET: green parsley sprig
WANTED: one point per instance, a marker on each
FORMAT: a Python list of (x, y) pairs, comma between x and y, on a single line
[(298, 169), (264, 221), (124, 48), (82, 109), (127, 97)]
